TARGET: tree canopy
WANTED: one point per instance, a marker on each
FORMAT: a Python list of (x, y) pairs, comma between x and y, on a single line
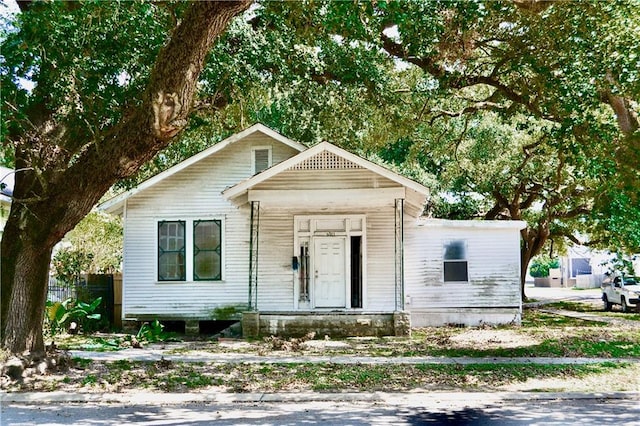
[(100, 108)]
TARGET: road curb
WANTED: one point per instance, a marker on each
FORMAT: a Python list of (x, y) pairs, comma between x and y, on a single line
[(148, 398)]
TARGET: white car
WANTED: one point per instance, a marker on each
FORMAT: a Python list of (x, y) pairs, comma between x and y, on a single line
[(623, 291)]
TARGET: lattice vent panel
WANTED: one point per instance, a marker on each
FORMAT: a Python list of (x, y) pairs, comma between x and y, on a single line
[(326, 161)]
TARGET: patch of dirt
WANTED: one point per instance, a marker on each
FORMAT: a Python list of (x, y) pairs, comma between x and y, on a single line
[(492, 339), (319, 345)]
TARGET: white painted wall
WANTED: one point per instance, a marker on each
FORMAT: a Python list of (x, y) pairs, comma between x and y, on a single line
[(191, 194), (492, 294), (276, 276)]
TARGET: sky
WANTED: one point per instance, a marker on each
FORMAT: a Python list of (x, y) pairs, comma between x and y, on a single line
[(8, 8)]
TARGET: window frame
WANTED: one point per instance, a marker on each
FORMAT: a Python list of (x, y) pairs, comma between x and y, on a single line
[(463, 260), (218, 250), (269, 149), (189, 248), (160, 251)]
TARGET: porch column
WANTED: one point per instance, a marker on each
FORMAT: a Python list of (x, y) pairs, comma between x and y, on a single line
[(399, 254), (254, 234)]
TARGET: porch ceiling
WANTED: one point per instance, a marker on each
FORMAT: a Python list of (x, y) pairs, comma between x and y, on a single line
[(326, 198)]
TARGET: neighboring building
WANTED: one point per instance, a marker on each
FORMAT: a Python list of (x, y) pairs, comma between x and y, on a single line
[(583, 267), (6, 192), (307, 239)]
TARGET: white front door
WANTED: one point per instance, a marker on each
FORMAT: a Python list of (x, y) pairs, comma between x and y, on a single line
[(330, 278)]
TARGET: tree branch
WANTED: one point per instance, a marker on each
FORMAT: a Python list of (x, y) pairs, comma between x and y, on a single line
[(454, 80), (150, 127), (492, 106)]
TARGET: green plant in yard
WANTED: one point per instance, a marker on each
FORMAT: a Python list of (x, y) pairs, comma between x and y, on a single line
[(60, 315), (90, 379), (540, 266), (151, 332)]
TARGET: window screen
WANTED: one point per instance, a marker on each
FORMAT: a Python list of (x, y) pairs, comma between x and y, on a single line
[(455, 261), (261, 160), (207, 250), (171, 251)]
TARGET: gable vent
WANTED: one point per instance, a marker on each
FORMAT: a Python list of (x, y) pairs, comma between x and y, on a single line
[(261, 160), (325, 161)]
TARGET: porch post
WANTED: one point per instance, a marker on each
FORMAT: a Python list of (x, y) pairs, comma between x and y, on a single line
[(399, 254), (253, 255)]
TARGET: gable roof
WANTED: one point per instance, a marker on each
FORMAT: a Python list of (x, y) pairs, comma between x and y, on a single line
[(247, 184), (114, 204)]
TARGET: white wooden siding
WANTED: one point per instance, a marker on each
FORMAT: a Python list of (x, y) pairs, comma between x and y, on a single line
[(276, 276), (192, 193), (493, 256)]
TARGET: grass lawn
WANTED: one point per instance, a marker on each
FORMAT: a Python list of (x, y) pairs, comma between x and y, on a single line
[(167, 376), (540, 335)]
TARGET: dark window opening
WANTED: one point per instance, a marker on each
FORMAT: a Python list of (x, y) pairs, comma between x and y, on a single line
[(171, 251), (455, 261), (455, 271), (207, 250), (304, 272), (261, 160), (356, 272)]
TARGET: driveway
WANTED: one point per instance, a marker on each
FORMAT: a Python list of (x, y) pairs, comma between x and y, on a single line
[(554, 294)]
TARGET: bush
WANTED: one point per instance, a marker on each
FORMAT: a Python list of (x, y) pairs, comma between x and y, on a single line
[(540, 266), (60, 315)]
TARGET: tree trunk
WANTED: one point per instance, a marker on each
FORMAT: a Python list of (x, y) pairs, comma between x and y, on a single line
[(26, 265), (532, 242), (50, 201), (525, 258)]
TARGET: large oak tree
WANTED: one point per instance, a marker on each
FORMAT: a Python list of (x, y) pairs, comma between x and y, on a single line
[(114, 84)]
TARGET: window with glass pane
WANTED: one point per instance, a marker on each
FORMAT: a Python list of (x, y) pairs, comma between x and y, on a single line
[(171, 251), (261, 159), (207, 250), (455, 261)]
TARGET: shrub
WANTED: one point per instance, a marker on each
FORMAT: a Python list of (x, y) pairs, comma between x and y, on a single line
[(540, 266), (60, 315)]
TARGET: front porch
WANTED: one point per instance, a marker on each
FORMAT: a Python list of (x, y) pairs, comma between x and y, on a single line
[(333, 324)]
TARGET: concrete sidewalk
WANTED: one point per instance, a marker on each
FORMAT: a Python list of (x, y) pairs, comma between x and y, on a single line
[(152, 355), (396, 398)]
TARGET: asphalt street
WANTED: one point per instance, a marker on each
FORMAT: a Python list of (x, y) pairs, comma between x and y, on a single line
[(463, 409)]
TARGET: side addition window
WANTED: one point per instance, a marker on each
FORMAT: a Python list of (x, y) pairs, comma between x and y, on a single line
[(261, 159), (207, 250), (455, 261), (171, 251)]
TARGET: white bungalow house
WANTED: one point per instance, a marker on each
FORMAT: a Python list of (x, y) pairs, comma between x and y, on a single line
[(307, 239)]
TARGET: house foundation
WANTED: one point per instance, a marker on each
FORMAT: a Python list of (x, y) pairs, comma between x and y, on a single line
[(402, 323), (332, 324), (465, 317)]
